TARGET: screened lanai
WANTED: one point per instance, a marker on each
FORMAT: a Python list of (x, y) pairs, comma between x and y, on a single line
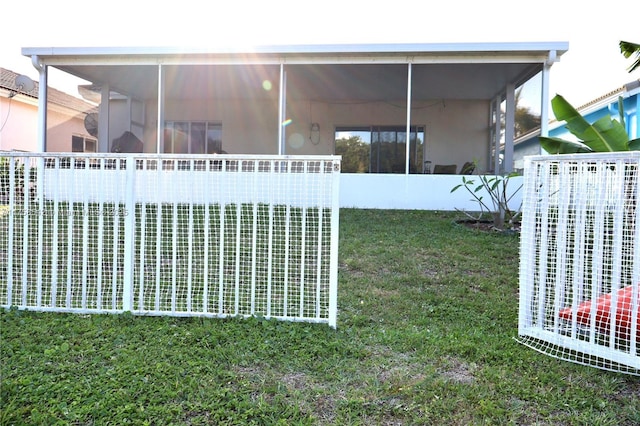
[(456, 102)]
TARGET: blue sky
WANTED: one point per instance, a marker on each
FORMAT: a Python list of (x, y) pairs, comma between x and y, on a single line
[(592, 67)]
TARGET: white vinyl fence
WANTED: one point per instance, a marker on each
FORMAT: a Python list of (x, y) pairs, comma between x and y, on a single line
[(580, 259), (173, 235)]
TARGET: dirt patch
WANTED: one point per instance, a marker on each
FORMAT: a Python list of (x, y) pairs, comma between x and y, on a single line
[(325, 409), (383, 293), (296, 381), (483, 225), (430, 273), (487, 226), (458, 371), (356, 273)]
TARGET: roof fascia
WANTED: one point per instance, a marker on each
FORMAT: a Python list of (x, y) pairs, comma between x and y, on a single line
[(308, 49), (307, 54)]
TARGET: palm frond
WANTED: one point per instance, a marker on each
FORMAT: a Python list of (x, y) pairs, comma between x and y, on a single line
[(628, 49)]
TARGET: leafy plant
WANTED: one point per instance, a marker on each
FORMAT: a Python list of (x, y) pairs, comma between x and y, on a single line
[(498, 204), (627, 49), (604, 135)]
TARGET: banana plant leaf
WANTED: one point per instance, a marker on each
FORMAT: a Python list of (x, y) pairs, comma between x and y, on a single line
[(605, 135), (627, 49), (562, 146)]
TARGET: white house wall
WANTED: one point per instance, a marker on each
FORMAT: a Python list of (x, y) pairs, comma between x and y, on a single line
[(456, 131), (247, 126), (365, 191), (415, 192), (119, 118)]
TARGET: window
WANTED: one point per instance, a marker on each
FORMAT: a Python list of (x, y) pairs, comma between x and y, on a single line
[(380, 149), (192, 137), (82, 144)]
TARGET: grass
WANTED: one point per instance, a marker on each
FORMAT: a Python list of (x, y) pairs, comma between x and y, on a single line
[(427, 317)]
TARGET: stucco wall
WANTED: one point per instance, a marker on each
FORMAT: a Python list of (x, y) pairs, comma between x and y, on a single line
[(20, 117), (20, 120), (247, 126), (61, 128), (456, 131), (416, 192)]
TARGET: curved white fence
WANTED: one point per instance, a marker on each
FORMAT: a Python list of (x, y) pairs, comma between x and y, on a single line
[(580, 259)]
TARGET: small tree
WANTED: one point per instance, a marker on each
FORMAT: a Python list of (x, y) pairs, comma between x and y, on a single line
[(498, 204), (355, 154)]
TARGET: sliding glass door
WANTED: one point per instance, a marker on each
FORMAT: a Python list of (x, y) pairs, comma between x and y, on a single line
[(380, 149)]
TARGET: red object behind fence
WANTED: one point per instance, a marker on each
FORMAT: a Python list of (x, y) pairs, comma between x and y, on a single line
[(603, 313)]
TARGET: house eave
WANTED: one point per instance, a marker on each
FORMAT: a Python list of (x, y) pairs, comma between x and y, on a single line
[(321, 53)]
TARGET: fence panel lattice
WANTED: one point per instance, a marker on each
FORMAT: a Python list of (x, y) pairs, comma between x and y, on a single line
[(580, 259), (170, 235)]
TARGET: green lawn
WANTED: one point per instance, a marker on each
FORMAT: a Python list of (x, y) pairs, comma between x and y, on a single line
[(426, 326)]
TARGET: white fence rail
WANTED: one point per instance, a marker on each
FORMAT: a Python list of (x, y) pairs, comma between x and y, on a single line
[(580, 259), (170, 234)]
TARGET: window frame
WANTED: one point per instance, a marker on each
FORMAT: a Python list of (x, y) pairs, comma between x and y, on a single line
[(85, 141), (182, 131)]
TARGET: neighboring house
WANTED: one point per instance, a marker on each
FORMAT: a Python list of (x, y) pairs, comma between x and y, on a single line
[(358, 101), (606, 105), (19, 118)]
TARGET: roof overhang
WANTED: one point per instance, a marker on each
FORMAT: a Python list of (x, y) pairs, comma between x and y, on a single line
[(349, 71)]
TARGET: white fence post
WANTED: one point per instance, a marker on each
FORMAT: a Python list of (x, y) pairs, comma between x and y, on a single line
[(333, 262), (129, 213)]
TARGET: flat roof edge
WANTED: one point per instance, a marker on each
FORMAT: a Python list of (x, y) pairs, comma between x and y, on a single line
[(402, 48)]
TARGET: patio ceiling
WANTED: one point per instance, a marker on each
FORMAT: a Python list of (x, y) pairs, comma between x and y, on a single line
[(330, 73), (339, 82)]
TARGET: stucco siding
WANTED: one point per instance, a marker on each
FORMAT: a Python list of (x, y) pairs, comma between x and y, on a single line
[(456, 131), (20, 131)]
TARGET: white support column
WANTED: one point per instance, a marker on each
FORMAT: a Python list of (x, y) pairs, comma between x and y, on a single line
[(42, 103), (544, 98), (408, 144), (633, 123), (160, 125), (492, 132), (103, 119), (509, 130), (496, 139), (282, 110), (130, 111)]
